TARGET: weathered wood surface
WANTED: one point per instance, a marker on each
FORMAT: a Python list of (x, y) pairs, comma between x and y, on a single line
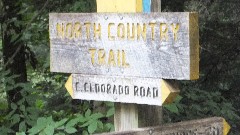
[(126, 115), (121, 89), (156, 45), (208, 126), (146, 112)]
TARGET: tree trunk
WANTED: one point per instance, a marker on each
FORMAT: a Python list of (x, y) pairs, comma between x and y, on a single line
[(13, 48)]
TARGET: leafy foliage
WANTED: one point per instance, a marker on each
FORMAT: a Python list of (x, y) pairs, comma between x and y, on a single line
[(216, 92), (46, 108)]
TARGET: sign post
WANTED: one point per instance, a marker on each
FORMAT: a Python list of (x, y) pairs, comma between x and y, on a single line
[(126, 115), (122, 55), (146, 111)]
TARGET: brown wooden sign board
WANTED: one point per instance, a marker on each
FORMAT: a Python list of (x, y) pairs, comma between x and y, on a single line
[(208, 126), (148, 45)]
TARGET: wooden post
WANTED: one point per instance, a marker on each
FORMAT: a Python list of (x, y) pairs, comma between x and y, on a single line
[(126, 115), (150, 115), (156, 6)]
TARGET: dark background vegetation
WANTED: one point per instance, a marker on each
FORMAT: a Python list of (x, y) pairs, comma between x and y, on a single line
[(34, 101)]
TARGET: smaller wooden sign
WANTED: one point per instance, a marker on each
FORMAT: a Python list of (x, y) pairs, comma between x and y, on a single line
[(208, 126), (120, 89)]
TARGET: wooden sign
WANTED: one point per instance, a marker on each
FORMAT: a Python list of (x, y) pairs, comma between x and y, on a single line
[(209, 126), (118, 89), (148, 45)]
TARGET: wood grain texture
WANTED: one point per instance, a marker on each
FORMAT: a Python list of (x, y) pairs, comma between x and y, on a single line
[(121, 89), (208, 126), (158, 58), (156, 6), (146, 112), (126, 115)]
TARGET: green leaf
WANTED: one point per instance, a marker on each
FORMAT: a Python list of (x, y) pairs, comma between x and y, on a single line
[(60, 133), (110, 112), (15, 118), (22, 126), (88, 123), (41, 122), (109, 127), (13, 106), (50, 121), (85, 132), (60, 123), (109, 104), (42, 133), (70, 130), (72, 122), (49, 130), (61, 127), (10, 114), (92, 127), (87, 113), (172, 108), (81, 118), (6, 130), (20, 133), (39, 104), (178, 99), (96, 116), (22, 108), (100, 124), (34, 130)]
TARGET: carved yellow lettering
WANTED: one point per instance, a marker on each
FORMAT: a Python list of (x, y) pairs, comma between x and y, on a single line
[(60, 30), (101, 57), (121, 31), (97, 31), (163, 31), (111, 59), (124, 63), (92, 52), (130, 35), (110, 37), (152, 25), (175, 29), (87, 24), (141, 31), (69, 31), (77, 30)]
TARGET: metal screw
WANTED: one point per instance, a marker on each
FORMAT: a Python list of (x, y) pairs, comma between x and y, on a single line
[(105, 17)]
